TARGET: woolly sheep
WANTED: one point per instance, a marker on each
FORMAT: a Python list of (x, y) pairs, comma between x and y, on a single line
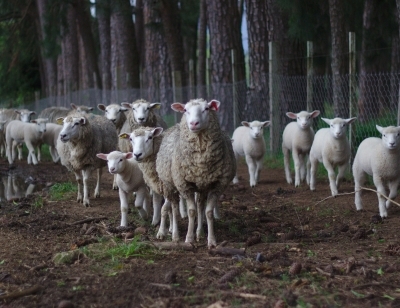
[(115, 113), (129, 180), (141, 113), (196, 158), (55, 112), (379, 158), (80, 140), (297, 138), (248, 141), (30, 133), (331, 148), (50, 137)]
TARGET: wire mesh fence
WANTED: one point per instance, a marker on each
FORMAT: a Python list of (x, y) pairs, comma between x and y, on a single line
[(376, 101)]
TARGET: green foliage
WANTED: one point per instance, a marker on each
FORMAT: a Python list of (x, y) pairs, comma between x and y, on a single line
[(133, 249), (62, 191)]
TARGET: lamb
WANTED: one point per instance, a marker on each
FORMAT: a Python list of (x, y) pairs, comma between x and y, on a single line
[(248, 141), (196, 159), (332, 148), (115, 113), (379, 158), (141, 113), (298, 138), (50, 137), (30, 133), (129, 180), (80, 140)]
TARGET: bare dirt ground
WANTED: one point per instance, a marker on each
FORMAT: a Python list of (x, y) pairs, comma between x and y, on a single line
[(295, 248)]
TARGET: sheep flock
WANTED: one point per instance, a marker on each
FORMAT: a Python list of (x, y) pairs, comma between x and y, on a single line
[(194, 161)]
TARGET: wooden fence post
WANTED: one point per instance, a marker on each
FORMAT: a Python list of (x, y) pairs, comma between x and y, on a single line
[(234, 90), (352, 90), (274, 100), (310, 73)]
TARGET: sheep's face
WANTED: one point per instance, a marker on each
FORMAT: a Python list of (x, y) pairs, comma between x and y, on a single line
[(116, 161), (25, 115), (142, 141), (82, 109), (338, 126), (304, 118), (390, 136), (141, 110), (71, 128), (112, 112), (40, 124), (197, 113), (256, 128)]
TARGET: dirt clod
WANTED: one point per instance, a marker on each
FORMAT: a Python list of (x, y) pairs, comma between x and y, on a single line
[(295, 268), (170, 277), (65, 304)]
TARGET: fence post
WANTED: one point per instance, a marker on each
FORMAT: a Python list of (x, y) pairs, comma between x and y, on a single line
[(310, 73), (352, 89), (177, 91), (234, 90), (273, 100)]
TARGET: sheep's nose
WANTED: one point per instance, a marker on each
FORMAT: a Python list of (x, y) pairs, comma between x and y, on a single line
[(137, 155), (62, 136), (112, 169), (391, 144), (194, 124), (113, 120), (141, 119)]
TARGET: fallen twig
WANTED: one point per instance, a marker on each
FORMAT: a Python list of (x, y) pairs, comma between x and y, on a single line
[(322, 272), (376, 284), (79, 222), (226, 251), (17, 294)]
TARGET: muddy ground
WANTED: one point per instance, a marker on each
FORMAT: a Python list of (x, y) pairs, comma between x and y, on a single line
[(297, 248)]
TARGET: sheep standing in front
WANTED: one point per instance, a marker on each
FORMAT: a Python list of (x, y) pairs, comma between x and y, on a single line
[(379, 158), (297, 138), (31, 133), (80, 140), (141, 113), (331, 148), (196, 159), (248, 141), (129, 180)]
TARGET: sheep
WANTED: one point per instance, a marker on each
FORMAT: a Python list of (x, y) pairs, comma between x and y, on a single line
[(30, 133), (3, 144), (50, 137), (80, 140), (379, 158), (129, 180), (141, 113), (331, 148), (248, 141), (196, 159), (298, 138), (115, 113), (55, 112)]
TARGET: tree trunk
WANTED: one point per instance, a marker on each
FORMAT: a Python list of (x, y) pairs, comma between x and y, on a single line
[(139, 24), (202, 51)]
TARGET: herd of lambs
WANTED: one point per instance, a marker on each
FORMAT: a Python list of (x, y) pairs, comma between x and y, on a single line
[(193, 161)]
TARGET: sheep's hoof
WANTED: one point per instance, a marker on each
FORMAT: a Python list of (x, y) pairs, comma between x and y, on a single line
[(160, 235), (212, 243), (115, 187), (97, 195), (155, 221), (189, 239)]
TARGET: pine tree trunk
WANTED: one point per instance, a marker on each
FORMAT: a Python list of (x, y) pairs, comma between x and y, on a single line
[(202, 51), (139, 30)]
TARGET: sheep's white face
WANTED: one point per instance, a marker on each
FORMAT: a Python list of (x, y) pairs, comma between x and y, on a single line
[(256, 128), (390, 136), (141, 110), (338, 126), (116, 161), (71, 128), (82, 109), (112, 112), (304, 118), (143, 142), (197, 112), (40, 124), (25, 115)]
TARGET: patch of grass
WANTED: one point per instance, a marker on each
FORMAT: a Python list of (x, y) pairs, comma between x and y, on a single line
[(38, 202), (62, 191)]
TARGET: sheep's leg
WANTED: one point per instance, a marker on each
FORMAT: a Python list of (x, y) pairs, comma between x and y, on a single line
[(313, 172), (140, 200), (252, 170), (165, 209), (286, 161), (175, 212), (39, 152), (9, 152), (191, 209), (171, 222), (303, 173), (146, 201), (216, 212), (182, 207), (86, 175), (393, 185), (78, 177), (32, 154), (115, 186), (381, 191), (259, 164), (19, 146), (332, 177), (341, 171), (236, 178), (123, 198), (308, 170), (359, 180), (211, 201), (97, 189), (157, 203), (297, 166), (201, 200)]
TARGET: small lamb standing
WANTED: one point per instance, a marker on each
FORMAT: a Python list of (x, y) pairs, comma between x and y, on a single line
[(50, 137), (129, 180), (298, 137), (80, 140), (248, 141), (331, 148), (381, 159)]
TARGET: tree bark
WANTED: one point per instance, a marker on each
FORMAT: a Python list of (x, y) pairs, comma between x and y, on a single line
[(139, 27), (202, 51)]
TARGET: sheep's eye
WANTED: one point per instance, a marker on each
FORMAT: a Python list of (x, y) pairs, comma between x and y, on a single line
[(184, 110), (133, 109), (298, 118), (120, 160), (150, 137), (130, 139), (207, 108)]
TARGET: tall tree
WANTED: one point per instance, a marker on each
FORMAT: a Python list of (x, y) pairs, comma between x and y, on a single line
[(202, 51)]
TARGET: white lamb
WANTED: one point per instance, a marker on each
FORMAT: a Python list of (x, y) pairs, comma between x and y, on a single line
[(331, 148), (50, 137), (298, 137), (248, 141), (30, 133), (381, 159), (129, 180)]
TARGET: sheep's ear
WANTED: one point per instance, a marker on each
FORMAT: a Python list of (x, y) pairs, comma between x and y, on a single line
[(327, 121), (291, 115), (349, 121), (157, 131), (214, 104), (82, 121), (315, 113), (245, 123), (102, 156), (126, 105), (90, 108), (124, 136), (379, 128), (178, 107), (155, 106), (129, 155), (60, 121), (266, 123), (101, 107), (32, 112), (73, 106)]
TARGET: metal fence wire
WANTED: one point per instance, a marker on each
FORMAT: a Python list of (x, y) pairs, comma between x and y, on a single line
[(376, 101)]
